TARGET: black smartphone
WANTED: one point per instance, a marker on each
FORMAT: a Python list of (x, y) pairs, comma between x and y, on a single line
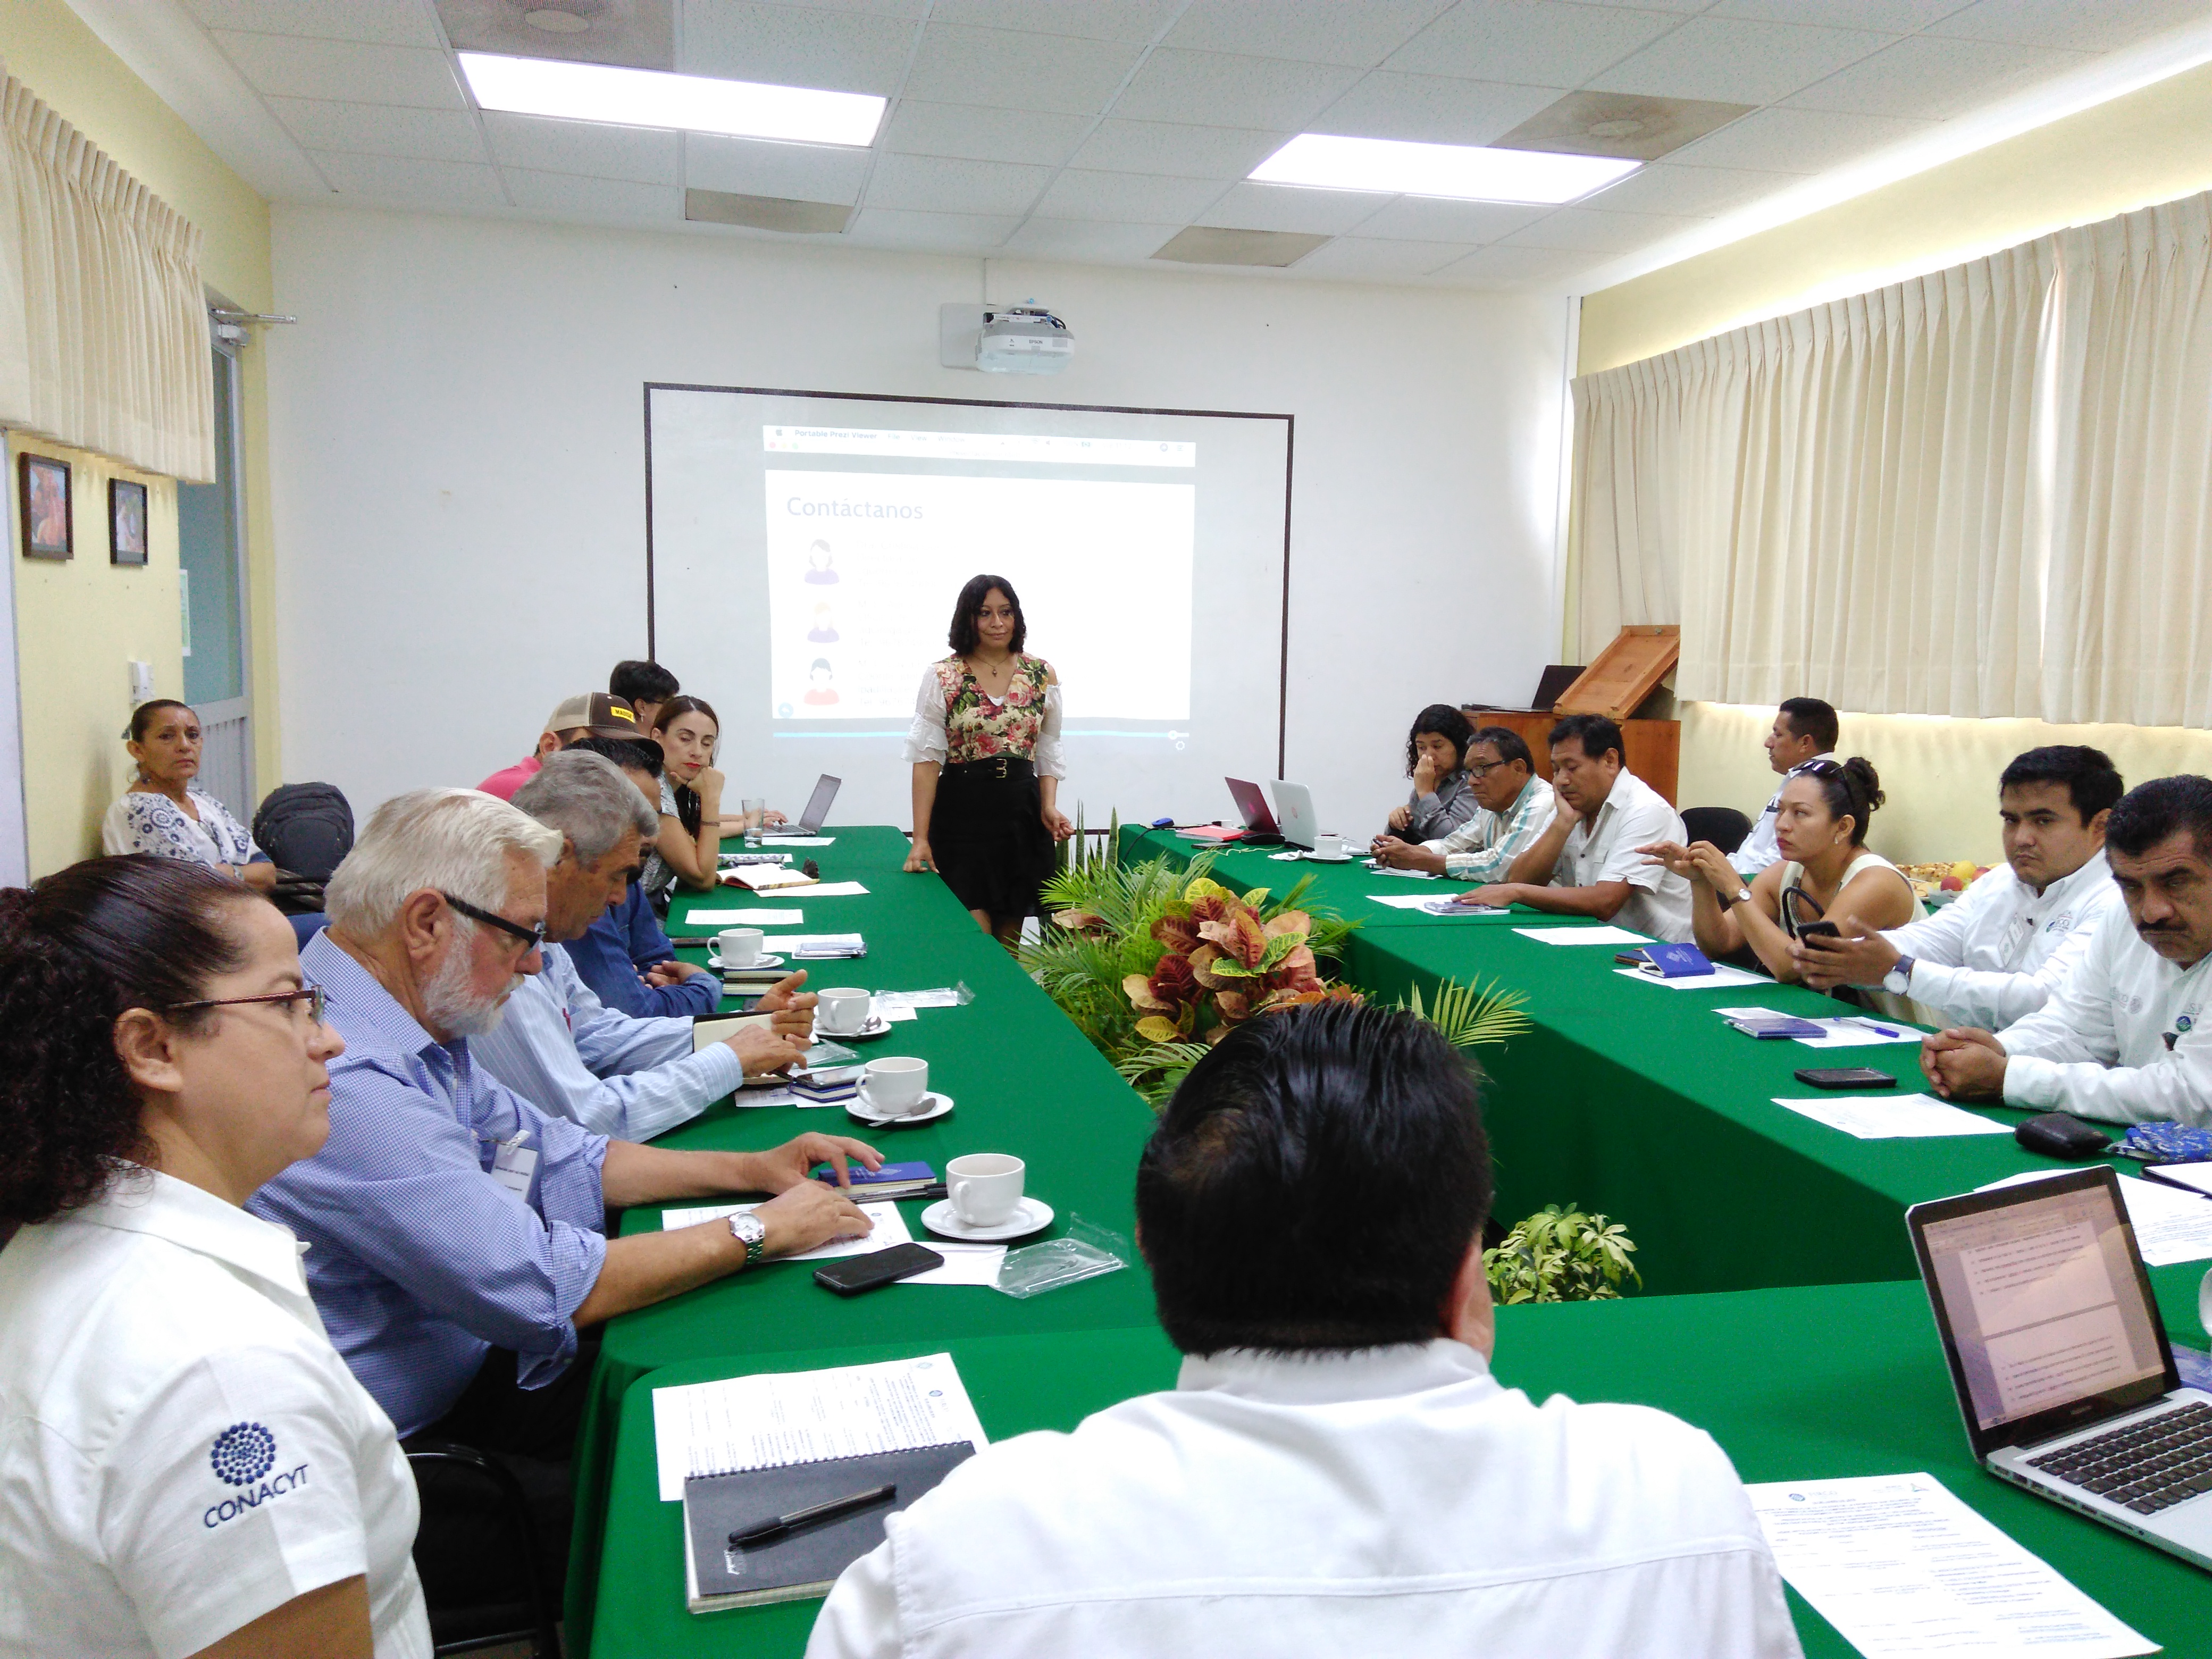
[(850, 1275), (1819, 930), (1846, 1077)]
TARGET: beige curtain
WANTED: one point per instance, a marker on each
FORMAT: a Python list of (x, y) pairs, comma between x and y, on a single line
[(103, 321)]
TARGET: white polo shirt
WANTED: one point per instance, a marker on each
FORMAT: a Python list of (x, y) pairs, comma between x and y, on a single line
[(1996, 953), (1634, 815), (1396, 1500), (181, 1450)]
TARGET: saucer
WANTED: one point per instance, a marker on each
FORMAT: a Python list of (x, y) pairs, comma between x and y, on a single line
[(1324, 858), (715, 960), (877, 1026), (1031, 1215), (856, 1106)]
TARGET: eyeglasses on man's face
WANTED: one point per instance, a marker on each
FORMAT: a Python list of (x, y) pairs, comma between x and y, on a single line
[(530, 937)]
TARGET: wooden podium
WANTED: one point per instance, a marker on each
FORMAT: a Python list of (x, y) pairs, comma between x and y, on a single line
[(1626, 673)]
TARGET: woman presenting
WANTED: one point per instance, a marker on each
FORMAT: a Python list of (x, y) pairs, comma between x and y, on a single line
[(985, 744), (164, 813)]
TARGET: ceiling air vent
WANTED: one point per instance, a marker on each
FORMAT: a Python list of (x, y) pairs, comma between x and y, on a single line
[(722, 207), (1207, 245), (1623, 124)]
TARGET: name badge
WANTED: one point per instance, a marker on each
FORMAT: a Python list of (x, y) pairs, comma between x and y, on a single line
[(513, 1164)]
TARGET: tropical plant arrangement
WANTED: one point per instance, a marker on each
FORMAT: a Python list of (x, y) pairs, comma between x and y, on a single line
[(1560, 1255)]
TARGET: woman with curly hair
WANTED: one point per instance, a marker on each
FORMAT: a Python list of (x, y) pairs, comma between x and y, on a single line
[(186, 1466), (1436, 760)]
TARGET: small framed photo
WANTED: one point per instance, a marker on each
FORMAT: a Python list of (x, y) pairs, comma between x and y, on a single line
[(44, 489), (126, 522)]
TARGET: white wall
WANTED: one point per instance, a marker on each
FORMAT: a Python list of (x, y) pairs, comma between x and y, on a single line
[(457, 457)]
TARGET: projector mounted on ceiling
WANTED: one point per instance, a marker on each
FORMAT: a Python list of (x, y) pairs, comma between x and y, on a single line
[(1023, 339)]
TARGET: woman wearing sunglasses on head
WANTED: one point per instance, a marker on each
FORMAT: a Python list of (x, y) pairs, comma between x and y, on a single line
[(1826, 875), (186, 1465)]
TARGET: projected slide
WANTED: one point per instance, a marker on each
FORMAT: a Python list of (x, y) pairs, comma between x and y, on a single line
[(807, 552)]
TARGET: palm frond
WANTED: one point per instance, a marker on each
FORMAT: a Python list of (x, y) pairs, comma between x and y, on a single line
[(1470, 1016), (1158, 1071)]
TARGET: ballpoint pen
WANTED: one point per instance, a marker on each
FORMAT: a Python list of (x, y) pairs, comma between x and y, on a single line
[(768, 1531), (1886, 1030)]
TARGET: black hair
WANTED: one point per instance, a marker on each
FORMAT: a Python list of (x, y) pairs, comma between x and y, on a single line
[(1809, 717), (2092, 781), (76, 950), (1850, 786), (1510, 745), (636, 678), (2150, 813), (963, 636), (1447, 723), (631, 754), (1595, 732), (143, 716), (1314, 1183), (819, 662)]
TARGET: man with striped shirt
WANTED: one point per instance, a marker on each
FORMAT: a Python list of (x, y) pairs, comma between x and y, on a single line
[(1515, 806)]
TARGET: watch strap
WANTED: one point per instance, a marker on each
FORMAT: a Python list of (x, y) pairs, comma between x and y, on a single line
[(753, 1236)]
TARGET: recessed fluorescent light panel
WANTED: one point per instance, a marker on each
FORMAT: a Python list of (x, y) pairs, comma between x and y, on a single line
[(692, 103), (1460, 172)]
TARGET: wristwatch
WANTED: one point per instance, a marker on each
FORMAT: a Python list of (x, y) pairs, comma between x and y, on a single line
[(1898, 981), (750, 1230), (1730, 901)]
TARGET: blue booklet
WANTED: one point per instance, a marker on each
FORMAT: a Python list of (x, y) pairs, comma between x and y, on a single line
[(1678, 961)]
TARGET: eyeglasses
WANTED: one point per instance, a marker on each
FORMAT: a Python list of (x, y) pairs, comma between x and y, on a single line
[(533, 936), (1479, 769), (316, 999), (1822, 768)]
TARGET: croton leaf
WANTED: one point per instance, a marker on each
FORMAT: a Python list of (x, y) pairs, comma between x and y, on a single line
[(1078, 918), (1240, 935), (1208, 907), (1174, 983), (1205, 965), (1296, 972), (1234, 1006), (1154, 1028), (1207, 888), (1139, 990), (1289, 922), (1257, 898), (1176, 933)]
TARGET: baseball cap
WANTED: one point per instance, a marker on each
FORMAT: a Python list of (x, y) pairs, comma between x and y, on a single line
[(597, 713)]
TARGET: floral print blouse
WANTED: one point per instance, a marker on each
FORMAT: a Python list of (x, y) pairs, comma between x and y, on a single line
[(955, 722), (143, 821)]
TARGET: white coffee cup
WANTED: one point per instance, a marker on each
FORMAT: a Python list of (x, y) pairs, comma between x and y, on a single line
[(842, 1011), (897, 1085), (1329, 846), (741, 947), (985, 1186)]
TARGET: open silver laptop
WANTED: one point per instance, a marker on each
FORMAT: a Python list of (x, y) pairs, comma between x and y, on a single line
[(1294, 812), (1252, 807), (2060, 1359), (817, 806)]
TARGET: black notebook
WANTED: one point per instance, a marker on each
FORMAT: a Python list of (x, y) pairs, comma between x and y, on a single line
[(807, 1562)]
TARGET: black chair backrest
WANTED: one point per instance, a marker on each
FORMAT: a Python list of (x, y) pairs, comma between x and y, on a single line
[(1724, 826), (306, 828)]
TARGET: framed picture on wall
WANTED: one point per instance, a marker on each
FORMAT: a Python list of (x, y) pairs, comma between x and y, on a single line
[(44, 490), (126, 522)]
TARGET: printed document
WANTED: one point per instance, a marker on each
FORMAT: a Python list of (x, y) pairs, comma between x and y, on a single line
[(1888, 1117), (780, 1419), (1583, 935), (890, 1229), (2170, 1225), (759, 916), (1901, 1566)]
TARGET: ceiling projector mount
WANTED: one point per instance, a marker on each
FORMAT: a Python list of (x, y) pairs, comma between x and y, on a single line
[(1002, 339)]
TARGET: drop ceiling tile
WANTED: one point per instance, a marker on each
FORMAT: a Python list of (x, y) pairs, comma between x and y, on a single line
[(1134, 21), (1135, 198), (1039, 136), (1429, 219), (912, 10), (1598, 233), (423, 135), (937, 184), (2082, 25), (1088, 239), (421, 185), (1932, 77), (1308, 31), (1236, 91), (1545, 43), (932, 233), (633, 33), (1177, 151), (569, 196), (1679, 6), (382, 22), (1797, 140), (1371, 259), (1668, 187), (1431, 109), (1737, 61), (1886, 16), (285, 66), (1007, 70), (642, 154), (1286, 207), (796, 47), (1505, 266), (755, 166)]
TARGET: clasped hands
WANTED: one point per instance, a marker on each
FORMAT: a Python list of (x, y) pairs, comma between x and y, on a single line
[(783, 1042)]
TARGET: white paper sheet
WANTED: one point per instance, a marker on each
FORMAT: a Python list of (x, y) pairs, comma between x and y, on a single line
[(894, 1012), (1890, 1117), (890, 1229), (798, 841), (2170, 1225), (836, 890), (975, 1264), (851, 944), (1615, 936), (943, 997), (773, 1420), (1901, 1566), (1722, 977), (1411, 875), (1849, 1031), (763, 878), (1403, 901), (756, 916)]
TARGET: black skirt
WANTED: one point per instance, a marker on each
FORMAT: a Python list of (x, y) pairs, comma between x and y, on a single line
[(987, 834)]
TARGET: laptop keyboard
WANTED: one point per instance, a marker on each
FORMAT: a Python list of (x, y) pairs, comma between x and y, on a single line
[(2149, 1466)]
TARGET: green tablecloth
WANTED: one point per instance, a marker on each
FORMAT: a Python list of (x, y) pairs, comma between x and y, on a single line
[(1638, 1101), (1025, 1081), (1794, 1383)]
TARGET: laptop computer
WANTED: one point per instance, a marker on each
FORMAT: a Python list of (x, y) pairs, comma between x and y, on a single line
[(817, 805), (2060, 1359), (1294, 812), (1252, 807)]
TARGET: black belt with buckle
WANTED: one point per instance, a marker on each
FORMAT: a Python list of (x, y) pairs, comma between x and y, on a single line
[(995, 767)]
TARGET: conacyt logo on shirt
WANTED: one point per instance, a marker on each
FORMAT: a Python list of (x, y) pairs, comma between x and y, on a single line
[(242, 1456)]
